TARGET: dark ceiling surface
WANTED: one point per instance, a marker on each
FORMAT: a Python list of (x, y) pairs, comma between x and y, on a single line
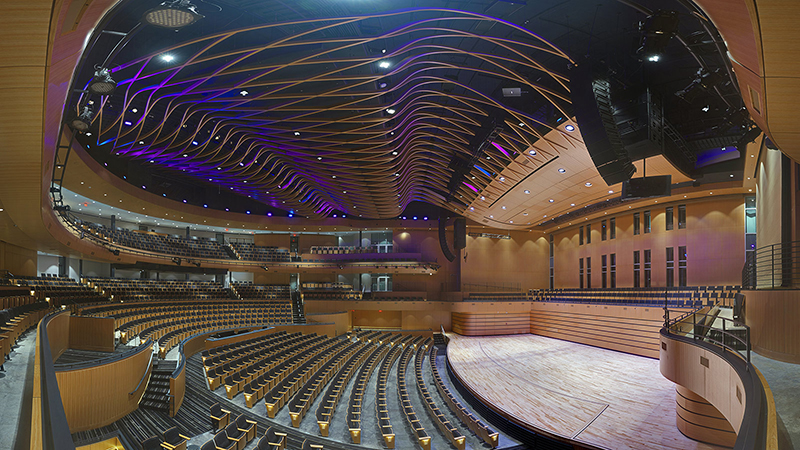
[(322, 107)]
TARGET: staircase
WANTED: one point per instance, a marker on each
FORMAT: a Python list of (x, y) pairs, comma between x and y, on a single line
[(231, 251), (157, 395), (298, 311), (439, 339), (232, 293)]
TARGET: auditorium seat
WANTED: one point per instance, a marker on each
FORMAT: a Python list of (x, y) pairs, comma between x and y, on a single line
[(151, 443), (246, 426), (307, 445), (222, 442), (233, 433), (174, 440), (209, 445), (219, 417), (275, 439)]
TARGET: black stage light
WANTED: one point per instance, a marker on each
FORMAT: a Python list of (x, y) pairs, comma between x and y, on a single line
[(657, 29), (173, 14), (102, 83), (83, 121)]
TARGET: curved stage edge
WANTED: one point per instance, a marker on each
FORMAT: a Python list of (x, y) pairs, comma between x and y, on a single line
[(596, 399)]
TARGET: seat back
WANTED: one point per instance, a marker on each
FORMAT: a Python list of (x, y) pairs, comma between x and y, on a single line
[(152, 443), (172, 436)]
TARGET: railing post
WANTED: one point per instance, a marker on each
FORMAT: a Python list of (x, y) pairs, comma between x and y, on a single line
[(723, 334), (694, 325)]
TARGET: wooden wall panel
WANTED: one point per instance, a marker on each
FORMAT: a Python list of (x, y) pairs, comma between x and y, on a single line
[(177, 388), (97, 396), (415, 315), (91, 333), (58, 334), (490, 324), (714, 240), (680, 362), (700, 420), (621, 328), (772, 316), (377, 319), (17, 260), (343, 321)]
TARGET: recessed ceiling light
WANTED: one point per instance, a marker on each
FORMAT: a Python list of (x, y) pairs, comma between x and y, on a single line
[(390, 110), (243, 93), (572, 204), (610, 192), (502, 179), (167, 58), (319, 158), (532, 152), (562, 170), (551, 200), (472, 208), (587, 184), (88, 133), (333, 176), (297, 133), (526, 191), (731, 175), (394, 153), (521, 124), (134, 110), (384, 64), (569, 128), (491, 216), (503, 207), (483, 198)]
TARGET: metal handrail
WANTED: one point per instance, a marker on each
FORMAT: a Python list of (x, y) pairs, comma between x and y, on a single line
[(706, 325), (773, 266), (144, 375), (105, 360)]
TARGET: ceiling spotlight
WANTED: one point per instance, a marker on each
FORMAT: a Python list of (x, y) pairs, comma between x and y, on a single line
[(472, 208), (562, 170), (83, 121), (384, 64), (532, 152), (88, 133), (587, 184), (394, 153), (657, 30), (570, 128), (526, 191), (502, 179), (572, 204), (503, 207), (382, 85), (521, 124), (297, 133), (134, 110), (551, 200), (390, 110), (172, 14), (102, 83), (243, 93), (610, 192), (653, 58), (167, 58), (705, 108)]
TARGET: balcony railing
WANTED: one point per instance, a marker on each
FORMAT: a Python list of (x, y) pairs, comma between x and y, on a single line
[(775, 266)]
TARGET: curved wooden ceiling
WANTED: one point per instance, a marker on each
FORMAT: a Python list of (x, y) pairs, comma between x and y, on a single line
[(318, 116)]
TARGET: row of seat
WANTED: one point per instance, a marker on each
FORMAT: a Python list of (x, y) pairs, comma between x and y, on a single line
[(340, 250), (381, 405), (422, 436), (14, 321), (130, 290), (445, 426), (356, 403), (250, 291), (262, 373), (464, 415), (251, 252), (333, 394), (223, 364), (280, 394), (336, 285), (683, 298), (331, 295), (305, 396)]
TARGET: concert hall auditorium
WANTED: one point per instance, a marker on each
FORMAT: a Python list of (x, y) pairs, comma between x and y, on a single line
[(399, 224)]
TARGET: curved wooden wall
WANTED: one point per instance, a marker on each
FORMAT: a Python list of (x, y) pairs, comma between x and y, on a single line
[(490, 324), (700, 420), (772, 316), (97, 396), (707, 375)]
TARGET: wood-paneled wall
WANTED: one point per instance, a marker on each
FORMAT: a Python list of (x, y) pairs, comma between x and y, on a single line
[(97, 396), (343, 320), (701, 371), (626, 329), (772, 316), (58, 334), (91, 333), (490, 324), (700, 420)]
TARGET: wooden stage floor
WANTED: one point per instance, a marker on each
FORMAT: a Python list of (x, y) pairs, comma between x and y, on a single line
[(589, 395)]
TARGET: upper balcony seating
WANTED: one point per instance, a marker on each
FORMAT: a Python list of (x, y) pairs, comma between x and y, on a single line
[(341, 250), (129, 290), (250, 291), (675, 297), (252, 252), (331, 295), (59, 290), (158, 243)]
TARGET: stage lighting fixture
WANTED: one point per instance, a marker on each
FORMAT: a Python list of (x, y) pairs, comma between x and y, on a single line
[(173, 14), (83, 121), (102, 83), (657, 30)]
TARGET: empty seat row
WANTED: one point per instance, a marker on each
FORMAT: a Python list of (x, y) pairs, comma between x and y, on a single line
[(381, 405), (356, 403), (448, 429), (422, 436)]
